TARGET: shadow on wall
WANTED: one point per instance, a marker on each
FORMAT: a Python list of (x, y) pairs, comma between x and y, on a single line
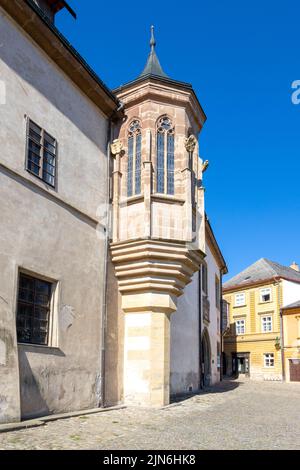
[(222, 387), (33, 404), (44, 78)]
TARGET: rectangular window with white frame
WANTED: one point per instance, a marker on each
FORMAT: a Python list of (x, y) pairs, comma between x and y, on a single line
[(240, 327), (266, 324), (269, 360), (240, 299), (265, 295)]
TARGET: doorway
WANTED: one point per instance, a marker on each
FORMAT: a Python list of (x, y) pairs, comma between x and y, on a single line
[(241, 364)]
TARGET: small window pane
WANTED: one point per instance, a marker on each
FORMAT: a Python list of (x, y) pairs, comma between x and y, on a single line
[(130, 166), (34, 147), (170, 164), (138, 162), (160, 163)]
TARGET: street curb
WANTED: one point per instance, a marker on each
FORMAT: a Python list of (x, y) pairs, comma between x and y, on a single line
[(33, 423)]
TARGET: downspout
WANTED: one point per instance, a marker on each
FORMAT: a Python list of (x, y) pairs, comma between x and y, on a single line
[(106, 248), (282, 346), (200, 326), (277, 279)]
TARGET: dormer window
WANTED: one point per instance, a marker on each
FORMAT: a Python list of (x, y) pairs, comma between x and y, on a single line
[(134, 159), (165, 156)]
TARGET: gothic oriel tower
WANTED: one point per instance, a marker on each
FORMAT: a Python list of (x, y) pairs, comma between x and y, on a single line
[(158, 238)]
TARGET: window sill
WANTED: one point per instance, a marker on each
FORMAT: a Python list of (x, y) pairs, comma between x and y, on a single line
[(168, 198), (41, 348), (240, 306), (46, 185), (132, 199)]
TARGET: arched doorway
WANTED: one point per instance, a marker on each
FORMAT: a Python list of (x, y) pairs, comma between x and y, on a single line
[(206, 359)]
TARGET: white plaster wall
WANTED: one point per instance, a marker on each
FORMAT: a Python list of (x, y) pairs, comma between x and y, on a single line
[(184, 363), (214, 324), (35, 87), (185, 333), (290, 292), (47, 237)]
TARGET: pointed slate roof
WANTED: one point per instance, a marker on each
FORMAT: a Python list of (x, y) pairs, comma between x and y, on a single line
[(261, 270), (153, 66)]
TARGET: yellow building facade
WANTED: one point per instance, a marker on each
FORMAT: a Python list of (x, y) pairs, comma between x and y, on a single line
[(253, 340), (291, 342)]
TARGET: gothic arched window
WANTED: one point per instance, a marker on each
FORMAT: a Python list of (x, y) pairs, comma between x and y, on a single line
[(165, 156), (134, 159)]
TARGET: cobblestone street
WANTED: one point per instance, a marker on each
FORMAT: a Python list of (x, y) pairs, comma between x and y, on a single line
[(233, 415)]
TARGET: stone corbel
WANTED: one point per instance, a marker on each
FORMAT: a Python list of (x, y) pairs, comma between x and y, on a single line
[(116, 149)]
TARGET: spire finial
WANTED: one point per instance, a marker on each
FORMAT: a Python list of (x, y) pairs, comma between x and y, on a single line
[(152, 40)]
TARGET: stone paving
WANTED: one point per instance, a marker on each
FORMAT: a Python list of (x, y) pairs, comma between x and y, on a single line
[(232, 415)]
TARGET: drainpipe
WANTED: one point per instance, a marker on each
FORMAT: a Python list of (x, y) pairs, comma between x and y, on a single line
[(282, 346), (106, 248), (200, 326)]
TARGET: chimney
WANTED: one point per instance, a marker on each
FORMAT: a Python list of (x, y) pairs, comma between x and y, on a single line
[(51, 7), (295, 266)]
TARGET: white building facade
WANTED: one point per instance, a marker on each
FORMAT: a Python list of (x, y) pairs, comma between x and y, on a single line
[(99, 307)]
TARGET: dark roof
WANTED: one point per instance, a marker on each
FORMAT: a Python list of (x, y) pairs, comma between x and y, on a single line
[(72, 50), (294, 305), (263, 269), (153, 66)]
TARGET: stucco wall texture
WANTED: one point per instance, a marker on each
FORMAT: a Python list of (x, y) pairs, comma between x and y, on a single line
[(185, 333), (57, 238)]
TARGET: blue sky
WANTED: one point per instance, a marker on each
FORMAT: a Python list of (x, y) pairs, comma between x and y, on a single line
[(241, 58)]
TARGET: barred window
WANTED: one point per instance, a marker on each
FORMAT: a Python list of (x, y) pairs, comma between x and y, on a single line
[(33, 310), (165, 156), (41, 154), (134, 170)]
